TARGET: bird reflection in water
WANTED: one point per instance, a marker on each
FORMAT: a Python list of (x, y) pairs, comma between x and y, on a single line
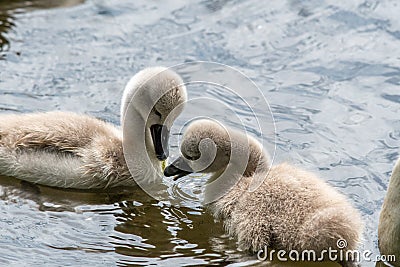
[(9, 11)]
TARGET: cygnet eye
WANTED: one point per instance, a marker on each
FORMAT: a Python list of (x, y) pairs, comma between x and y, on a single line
[(157, 113)]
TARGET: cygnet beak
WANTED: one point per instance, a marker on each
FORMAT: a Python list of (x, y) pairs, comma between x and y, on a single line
[(179, 168), (160, 136)]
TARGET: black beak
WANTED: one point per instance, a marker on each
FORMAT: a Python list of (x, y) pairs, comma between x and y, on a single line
[(178, 169), (160, 136)]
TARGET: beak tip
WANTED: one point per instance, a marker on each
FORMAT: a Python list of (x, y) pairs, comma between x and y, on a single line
[(174, 172), (167, 172)]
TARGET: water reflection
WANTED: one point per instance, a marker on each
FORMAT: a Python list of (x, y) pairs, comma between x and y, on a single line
[(6, 23), (9, 10), (327, 68), (144, 230)]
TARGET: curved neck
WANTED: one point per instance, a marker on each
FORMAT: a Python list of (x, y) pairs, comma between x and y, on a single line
[(258, 162), (133, 131), (138, 149), (223, 181)]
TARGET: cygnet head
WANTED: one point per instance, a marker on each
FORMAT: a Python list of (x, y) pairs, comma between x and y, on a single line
[(209, 147), (153, 99)]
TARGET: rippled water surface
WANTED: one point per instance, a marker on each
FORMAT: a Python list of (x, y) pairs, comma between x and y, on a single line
[(329, 69)]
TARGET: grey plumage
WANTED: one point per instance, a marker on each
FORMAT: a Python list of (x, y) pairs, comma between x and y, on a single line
[(292, 209), (62, 149), (389, 221), (68, 150)]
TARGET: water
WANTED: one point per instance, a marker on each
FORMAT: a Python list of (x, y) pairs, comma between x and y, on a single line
[(330, 71)]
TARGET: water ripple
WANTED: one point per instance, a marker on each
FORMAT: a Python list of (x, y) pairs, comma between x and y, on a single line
[(328, 68)]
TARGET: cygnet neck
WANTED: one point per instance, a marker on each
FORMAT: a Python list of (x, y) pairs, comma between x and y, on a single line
[(137, 140), (225, 180)]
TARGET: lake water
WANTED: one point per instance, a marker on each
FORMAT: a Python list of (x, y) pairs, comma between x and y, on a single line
[(329, 69)]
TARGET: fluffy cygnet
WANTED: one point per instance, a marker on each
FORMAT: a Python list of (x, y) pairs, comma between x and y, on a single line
[(291, 209), (389, 221), (68, 150)]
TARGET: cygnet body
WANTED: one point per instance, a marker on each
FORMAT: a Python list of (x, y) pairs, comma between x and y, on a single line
[(389, 221), (68, 150), (291, 209)]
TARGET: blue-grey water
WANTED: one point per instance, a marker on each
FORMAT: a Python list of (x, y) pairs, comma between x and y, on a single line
[(329, 69)]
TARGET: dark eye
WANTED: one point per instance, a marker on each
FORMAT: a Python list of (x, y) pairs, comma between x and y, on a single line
[(157, 113)]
